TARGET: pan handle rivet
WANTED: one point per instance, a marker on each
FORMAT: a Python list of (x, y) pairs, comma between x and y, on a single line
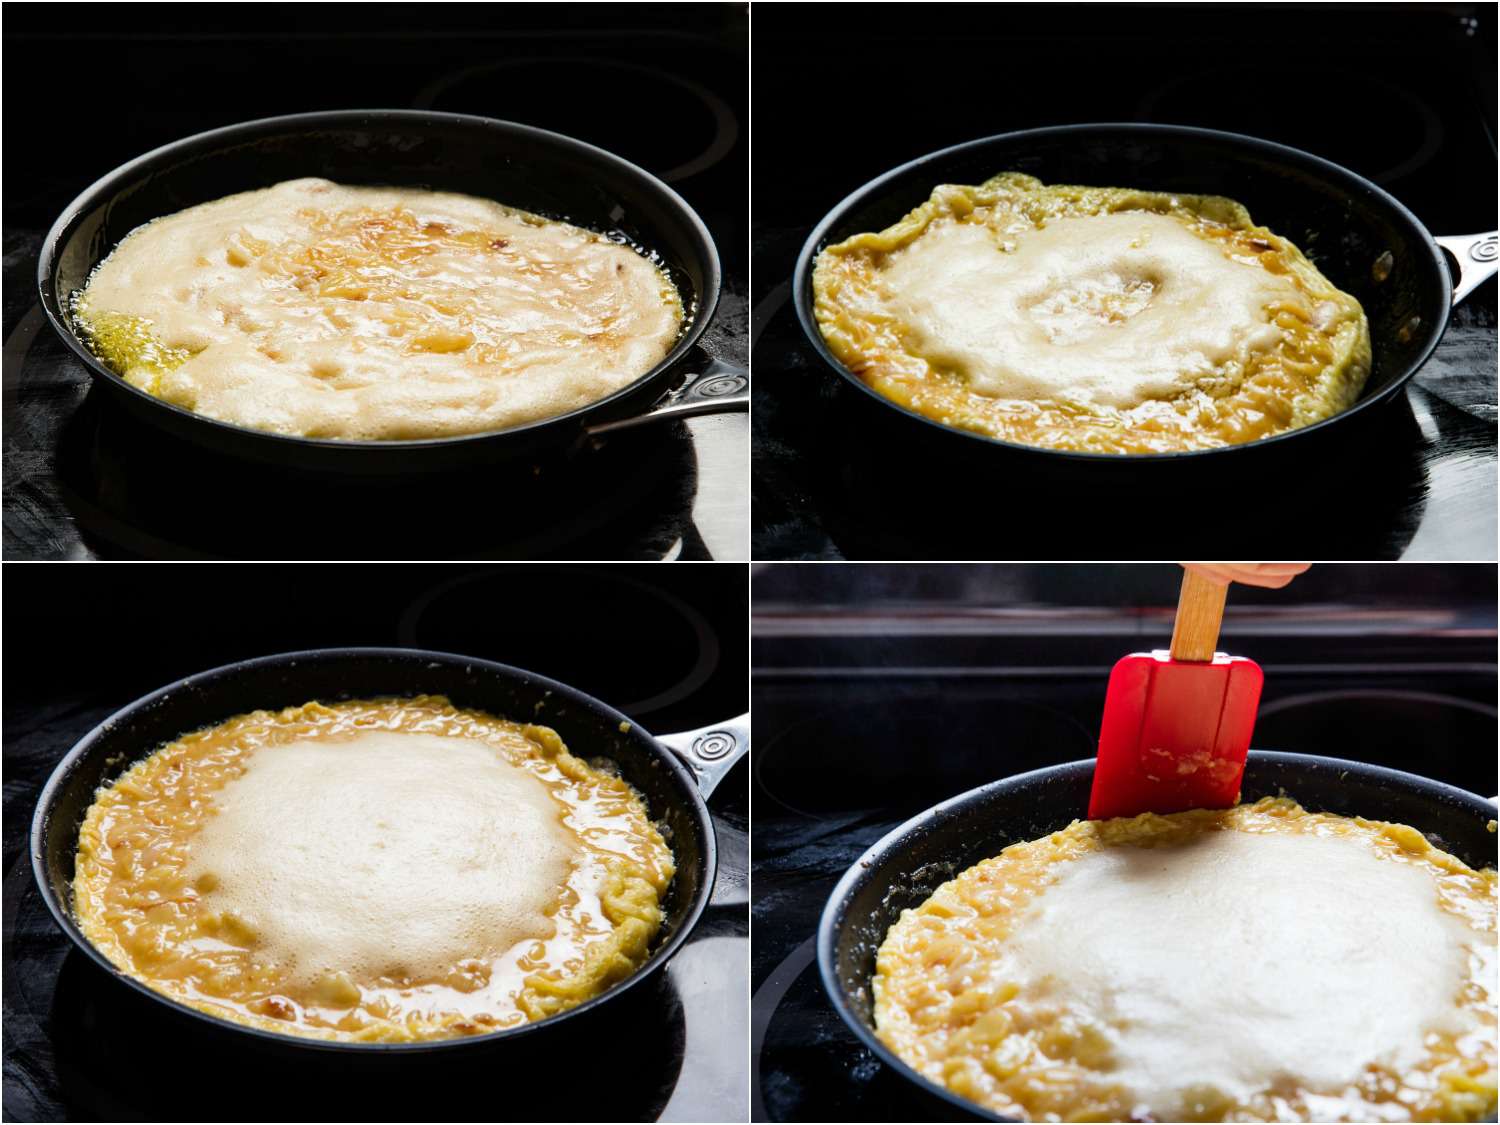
[(714, 744), (720, 385)]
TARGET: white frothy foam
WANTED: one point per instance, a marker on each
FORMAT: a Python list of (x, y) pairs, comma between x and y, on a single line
[(1239, 959), (385, 854)]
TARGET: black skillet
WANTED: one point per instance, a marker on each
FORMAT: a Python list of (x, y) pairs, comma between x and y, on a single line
[(1362, 239), (674, 773), (523, 167), (904, 868)]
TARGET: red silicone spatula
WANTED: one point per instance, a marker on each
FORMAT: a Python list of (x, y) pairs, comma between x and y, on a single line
[(1177, 724)]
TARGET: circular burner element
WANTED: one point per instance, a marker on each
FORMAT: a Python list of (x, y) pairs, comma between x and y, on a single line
[(796, 1031), (1439, 736), (630, 643), (902, 755), (1239, 99), (673, 126)]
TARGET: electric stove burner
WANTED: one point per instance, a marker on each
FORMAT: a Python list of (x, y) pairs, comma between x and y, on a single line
[(805, 1056), (692, 130), (530, 616), (915, 747), (1454, 735), (1236, 98)]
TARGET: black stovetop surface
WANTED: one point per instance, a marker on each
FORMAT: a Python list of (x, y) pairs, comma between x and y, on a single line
[(1416, 87), (863, 724), (76, 1043), (84, 480)]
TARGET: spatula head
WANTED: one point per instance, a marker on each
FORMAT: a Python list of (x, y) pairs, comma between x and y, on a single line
[(1175, 734)]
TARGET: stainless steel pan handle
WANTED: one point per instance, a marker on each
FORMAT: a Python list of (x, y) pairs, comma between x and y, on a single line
[(718, 389), (1476, 258), (710, 752)]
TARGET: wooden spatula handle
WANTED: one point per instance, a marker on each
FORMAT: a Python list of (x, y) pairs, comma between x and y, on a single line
[(1200, 611)]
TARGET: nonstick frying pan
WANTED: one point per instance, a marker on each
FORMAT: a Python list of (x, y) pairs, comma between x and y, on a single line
[(517, 165), (904, 868), (674, 773), (1362, 239)]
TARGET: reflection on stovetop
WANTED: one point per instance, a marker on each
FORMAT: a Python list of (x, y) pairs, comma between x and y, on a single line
[(575, 641), (704, 128), (839, 762), (836, 478), (83, 481)]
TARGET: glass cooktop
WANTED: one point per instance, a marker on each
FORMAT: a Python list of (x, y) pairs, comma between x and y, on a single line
[(1419, 86), (879, 691), (84, 480), (76, 1043)]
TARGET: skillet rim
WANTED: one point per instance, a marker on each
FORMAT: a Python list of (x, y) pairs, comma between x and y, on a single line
[(121, 176), (42, 822), (1331, 172), (834, 908)]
